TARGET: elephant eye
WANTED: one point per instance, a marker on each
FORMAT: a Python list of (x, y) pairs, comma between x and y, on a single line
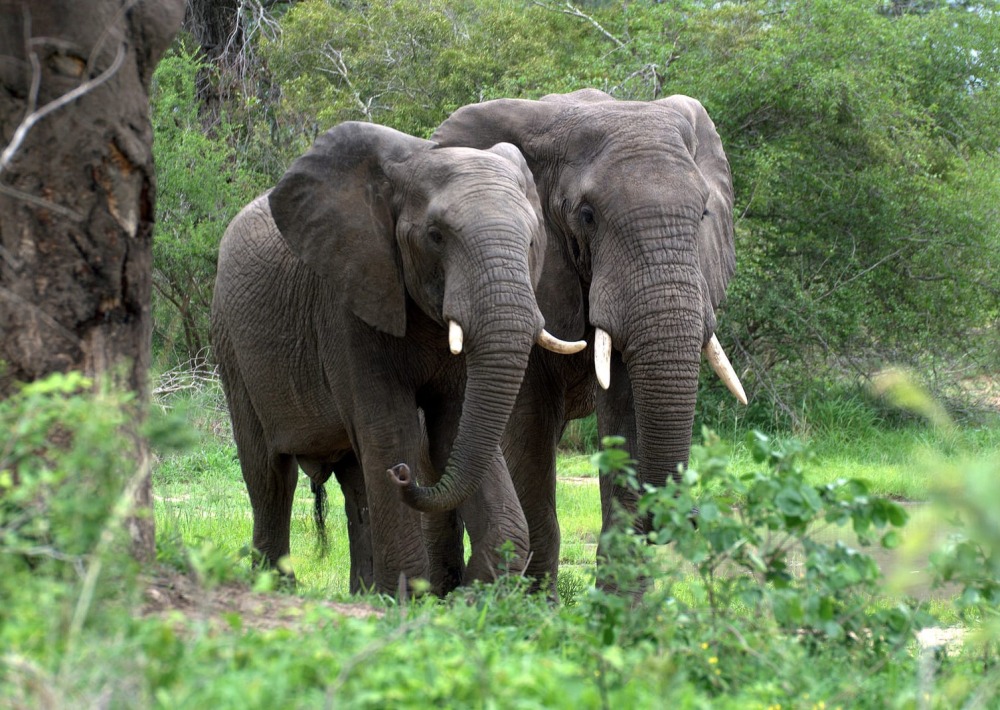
[(587, 216), (705, 214), (434, 234)]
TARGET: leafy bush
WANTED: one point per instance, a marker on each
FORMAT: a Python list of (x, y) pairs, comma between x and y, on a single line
[(203, 181), (751, 581), (408, 63), (63, 498), (748, 609)]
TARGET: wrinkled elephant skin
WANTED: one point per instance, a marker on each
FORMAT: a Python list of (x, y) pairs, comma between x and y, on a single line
[(330, 325), (638, 199)]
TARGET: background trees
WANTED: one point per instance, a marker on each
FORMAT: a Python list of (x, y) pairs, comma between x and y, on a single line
[(861, 137)]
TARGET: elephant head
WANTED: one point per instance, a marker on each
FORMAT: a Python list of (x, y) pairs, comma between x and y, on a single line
[(638, 199), (412, 232)]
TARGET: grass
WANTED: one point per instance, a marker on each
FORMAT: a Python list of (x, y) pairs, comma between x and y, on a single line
[(201, 498)]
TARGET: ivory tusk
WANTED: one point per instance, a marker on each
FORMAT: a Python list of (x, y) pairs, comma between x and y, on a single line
[(602, 357), (563, 347), (716, 357), (455, 337)]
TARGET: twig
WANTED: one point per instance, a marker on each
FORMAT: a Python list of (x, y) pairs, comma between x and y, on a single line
[(8, 295), (40, 202), (35, 116), (573, 11)]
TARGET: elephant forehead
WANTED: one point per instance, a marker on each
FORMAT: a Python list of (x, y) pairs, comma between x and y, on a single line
[(630, 126), (463, 164)]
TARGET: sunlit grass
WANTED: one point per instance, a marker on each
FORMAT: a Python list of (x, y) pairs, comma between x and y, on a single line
[(201, 497)]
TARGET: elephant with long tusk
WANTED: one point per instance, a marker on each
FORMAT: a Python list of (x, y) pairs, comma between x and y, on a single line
[(638, 204)]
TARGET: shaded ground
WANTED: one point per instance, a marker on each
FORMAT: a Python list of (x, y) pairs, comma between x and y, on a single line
[(170, 591)]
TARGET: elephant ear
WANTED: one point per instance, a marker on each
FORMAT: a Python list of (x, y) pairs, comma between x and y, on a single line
[(715, 241), (334, 209)]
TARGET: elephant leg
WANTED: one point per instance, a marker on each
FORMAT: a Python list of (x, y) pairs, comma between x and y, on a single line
[(397, 542), (494, 517), (443, 532), (270, 479), (616, 417), (529, 447), (492, 514), (359, 535)]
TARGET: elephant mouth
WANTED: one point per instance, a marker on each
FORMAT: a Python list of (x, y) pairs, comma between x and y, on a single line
[(713, 352)]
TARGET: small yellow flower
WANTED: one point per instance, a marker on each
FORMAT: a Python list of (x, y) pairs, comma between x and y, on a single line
[(713, 660), (704, 646)]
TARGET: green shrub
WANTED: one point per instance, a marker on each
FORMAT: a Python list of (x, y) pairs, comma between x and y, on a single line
[(64, 470), (747, 578), (203, 180)]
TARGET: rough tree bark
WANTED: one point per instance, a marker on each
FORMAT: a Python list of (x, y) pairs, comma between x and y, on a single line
[(77, 193)]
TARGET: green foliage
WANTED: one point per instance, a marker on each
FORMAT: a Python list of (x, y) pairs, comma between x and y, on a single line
[(764, 585), (203, 181), (63, 479), (865, 179), (409, 63), (752, 608)]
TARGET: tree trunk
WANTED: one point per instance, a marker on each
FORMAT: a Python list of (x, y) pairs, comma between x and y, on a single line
[(77, 194)]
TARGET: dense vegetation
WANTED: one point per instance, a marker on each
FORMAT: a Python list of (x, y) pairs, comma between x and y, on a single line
[(776, 600), (861, 137)]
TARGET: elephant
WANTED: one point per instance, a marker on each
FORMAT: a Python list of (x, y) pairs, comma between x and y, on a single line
[(339, 294), (637, 200)]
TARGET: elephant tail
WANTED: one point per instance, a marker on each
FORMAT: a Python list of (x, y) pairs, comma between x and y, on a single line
[(320, 508)]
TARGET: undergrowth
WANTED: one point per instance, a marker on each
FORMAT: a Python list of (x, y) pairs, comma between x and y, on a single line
[(747, 608)]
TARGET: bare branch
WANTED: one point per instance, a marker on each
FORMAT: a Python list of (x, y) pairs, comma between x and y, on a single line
[(113, 24), (573, 11), (336, 58), (40, 202), (35, 116), (861, 273)]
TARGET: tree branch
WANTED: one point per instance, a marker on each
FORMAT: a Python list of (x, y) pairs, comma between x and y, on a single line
[(573, 11), (35, 116)]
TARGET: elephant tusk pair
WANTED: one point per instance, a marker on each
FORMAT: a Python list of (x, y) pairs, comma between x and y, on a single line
[(545, 339), (713, 352)]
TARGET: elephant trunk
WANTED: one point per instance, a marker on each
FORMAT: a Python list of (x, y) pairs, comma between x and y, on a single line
[(496, 351), (661, 330), (664, 386)]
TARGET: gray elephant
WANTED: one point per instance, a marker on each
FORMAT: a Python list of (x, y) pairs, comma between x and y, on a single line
[(339, 295), (637, 198)]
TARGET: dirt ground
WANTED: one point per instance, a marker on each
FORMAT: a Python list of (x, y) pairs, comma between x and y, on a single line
[(168, 591)]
